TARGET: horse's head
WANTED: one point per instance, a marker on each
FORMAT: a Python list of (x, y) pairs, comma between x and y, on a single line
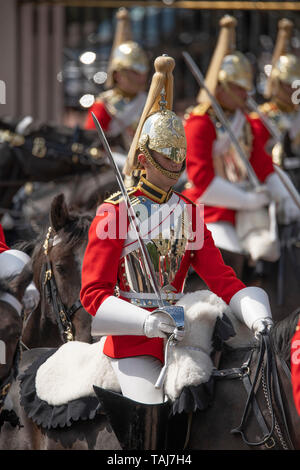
[(57, 266), (11, 295)]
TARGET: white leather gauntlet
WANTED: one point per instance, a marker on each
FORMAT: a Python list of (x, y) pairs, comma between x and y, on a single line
[(222, 193), (251, 306), (287, 209), (160, 325)]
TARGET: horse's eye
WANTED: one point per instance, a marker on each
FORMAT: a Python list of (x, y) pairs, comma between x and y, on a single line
[(60, 268)]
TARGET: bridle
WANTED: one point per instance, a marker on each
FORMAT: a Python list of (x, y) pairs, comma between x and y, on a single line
[(63, 314), (5, 386), (266, 374)]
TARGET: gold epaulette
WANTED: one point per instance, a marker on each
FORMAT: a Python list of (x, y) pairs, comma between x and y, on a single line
[(267, 107), (117, 197), (253, 115)]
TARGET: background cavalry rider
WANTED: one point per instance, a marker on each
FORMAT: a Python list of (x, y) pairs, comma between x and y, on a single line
[(119, 108), (217, 175), (282, 109), (12, 263), (135, 328)]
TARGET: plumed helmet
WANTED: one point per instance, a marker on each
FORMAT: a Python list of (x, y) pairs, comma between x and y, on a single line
[(159, 129), (237, 69), (125, 53)]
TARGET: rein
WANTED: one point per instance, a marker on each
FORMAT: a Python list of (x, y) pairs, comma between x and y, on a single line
[(63, 315), (266, 374)]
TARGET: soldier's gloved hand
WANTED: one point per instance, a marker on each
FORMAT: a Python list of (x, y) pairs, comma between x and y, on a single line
[(161, 325), (288, 211), (262, 325), (255, 200), (31, 297)]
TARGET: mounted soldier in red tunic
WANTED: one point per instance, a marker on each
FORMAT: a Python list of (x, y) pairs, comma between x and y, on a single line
[(235, 212), (281, 109), (131, 296), (119, 108)]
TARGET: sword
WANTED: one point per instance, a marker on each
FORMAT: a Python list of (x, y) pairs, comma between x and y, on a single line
[(176, 312), (219, 111), (131, 213)]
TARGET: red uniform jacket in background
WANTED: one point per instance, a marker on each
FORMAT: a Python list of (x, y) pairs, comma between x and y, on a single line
[(201, 134), (3, 246), (101, 113), (295, 367), (103, 267)]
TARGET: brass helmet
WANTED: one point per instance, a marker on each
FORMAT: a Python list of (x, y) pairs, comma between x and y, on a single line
[(227, 64), (237, 69), (125, 53), (287, 69), (159, 129), (285, 66)]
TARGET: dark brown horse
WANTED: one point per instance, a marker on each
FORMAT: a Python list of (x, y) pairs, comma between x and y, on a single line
[(211, 427), (56, 261), (11, 309)]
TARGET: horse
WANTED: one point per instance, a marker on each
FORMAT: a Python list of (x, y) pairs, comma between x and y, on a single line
[(227, 422), (56, 262), (42, 162), (11, 294), (273, 421)]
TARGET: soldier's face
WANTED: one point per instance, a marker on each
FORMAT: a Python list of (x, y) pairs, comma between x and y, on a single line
[(130, 82), (232, 96), (154, 176)]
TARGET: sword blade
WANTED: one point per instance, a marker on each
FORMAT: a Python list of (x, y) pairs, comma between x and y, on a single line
[(201, 82)]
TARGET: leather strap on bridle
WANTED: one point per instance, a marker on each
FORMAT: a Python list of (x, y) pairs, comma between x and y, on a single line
[(271, 376), (63, 315)]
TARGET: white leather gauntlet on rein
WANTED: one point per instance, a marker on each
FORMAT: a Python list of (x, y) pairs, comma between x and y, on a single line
[(287, 209), (222, 193), (117, 317), (159, 324), (251, 306)]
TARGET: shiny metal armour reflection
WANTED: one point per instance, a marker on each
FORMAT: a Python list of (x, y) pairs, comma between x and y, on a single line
[(166, 252)]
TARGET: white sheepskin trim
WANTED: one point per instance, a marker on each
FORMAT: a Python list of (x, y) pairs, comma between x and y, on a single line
[(71, 372), (187, 366)]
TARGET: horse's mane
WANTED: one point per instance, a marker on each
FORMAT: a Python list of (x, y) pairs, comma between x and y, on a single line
[(282, 334), (76, 230)]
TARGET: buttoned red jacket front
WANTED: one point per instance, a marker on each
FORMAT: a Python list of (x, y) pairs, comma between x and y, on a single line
[(201, 134), (103, 269)]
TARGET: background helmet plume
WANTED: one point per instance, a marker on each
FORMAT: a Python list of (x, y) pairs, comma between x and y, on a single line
[(285, 66), (125, 53), (227, 64), (159, 129)]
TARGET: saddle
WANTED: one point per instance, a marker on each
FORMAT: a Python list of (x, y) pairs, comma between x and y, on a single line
[(59, 387)]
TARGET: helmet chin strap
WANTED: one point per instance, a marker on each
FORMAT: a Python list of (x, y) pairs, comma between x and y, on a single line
[(170, 174)]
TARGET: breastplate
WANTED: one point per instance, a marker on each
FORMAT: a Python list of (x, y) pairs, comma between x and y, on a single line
[(228, 163), (166, 231)]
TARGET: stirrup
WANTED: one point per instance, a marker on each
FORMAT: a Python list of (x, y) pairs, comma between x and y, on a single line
[(137, 426)]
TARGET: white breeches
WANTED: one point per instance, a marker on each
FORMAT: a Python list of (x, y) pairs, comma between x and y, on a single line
[(137, 377), (225, 236)]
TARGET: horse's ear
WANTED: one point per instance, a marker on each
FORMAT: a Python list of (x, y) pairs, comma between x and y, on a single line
[(59, 214)]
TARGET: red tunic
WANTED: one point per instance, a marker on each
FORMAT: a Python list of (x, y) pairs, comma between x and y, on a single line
[(3, 246), (102, 268), (295, 367), (101, 113), (201, 134)]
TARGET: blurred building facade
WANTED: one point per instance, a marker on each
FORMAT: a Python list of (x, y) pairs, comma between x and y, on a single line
[(53, 57)]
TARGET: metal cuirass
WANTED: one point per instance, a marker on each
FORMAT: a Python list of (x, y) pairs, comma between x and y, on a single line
[(166, 230), (227, 162)]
